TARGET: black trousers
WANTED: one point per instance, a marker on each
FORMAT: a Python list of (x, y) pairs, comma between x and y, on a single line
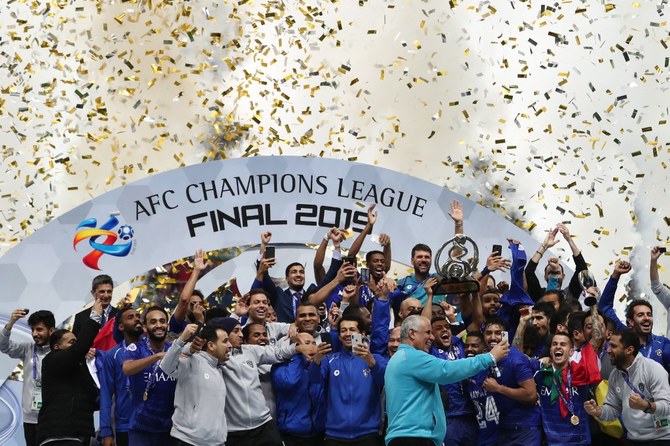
[(121, 439), (411, 441), (293, 440), (178, 442), (649, 443), (30, 433), (367, 440), (264, 435)]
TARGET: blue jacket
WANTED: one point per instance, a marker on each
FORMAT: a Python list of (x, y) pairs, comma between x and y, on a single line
[(114, 384), (354, 393), (459, 404), (379, 336), (413, 402), (301, 405), (657, 347)]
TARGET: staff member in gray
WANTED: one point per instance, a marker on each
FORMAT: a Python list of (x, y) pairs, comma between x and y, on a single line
[(42, 323), (200, 396), (638, 391), (248, 417)]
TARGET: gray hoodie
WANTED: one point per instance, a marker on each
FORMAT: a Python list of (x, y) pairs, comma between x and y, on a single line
[(651, 379), (25, 351), (199, 416), (245, 403)]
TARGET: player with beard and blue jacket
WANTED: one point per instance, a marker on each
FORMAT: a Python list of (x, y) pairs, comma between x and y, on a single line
[(114, 385), (514, 392)]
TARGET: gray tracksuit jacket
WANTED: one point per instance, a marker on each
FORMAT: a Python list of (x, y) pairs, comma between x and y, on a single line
[(199, 416), (24, 351), (245, 403), (651, 379)]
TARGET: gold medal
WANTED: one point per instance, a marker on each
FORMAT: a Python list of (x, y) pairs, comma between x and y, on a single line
[(146, 397), (574, 419)]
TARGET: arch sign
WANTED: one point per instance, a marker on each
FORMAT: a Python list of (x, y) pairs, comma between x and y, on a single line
[(219, 204)]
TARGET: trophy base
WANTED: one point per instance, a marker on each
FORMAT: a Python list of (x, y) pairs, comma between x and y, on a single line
[(590, 301), (455, 286)]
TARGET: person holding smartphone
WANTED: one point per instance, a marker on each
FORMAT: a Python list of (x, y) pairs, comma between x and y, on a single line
[(42, 323), (286, 301), (514, 392), (353, 379)]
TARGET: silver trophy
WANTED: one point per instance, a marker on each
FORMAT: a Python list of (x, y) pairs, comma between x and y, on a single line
[(587, 281), (455, 275)]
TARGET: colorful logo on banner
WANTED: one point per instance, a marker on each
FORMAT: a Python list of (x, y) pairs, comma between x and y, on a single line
[(87, 230)]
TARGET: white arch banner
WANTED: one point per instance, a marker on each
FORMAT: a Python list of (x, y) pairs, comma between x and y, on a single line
[(218, 204)]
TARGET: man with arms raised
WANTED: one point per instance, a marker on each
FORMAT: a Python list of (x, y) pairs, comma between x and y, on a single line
[(285, 302), (413, 402), (42, 323), (638, 392)]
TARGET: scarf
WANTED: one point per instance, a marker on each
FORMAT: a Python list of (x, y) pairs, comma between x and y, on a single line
[(584, 372)]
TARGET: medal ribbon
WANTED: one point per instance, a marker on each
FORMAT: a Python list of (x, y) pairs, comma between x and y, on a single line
[(35, 376), (564, 394), (630, 384)]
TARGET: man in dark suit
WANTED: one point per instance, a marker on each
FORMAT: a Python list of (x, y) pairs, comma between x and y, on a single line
[(101, 289)]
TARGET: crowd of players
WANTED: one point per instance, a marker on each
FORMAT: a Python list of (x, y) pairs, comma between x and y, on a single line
[(357, 358)]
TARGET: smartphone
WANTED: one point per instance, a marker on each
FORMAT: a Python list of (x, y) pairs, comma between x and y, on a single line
[(365, 275), (662, 249), (356, 339), (269, 252), (497, 249), (25, 310), (505, 336), (350, 260)]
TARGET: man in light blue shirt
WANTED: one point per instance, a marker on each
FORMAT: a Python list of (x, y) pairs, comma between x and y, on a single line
[(412, 391)]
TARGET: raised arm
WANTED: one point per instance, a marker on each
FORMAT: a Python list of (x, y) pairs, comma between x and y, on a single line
[(320, 255), (381, 317), (606, 302), (427, 310), (661, 292), (346, 271), (598, 335), (69, 358), (11, 348), (580, 264), (520, 331), (170, 363), (199, 265), (385, 241), (372, 219), (456, 215), (532, 282), (264, 281)]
